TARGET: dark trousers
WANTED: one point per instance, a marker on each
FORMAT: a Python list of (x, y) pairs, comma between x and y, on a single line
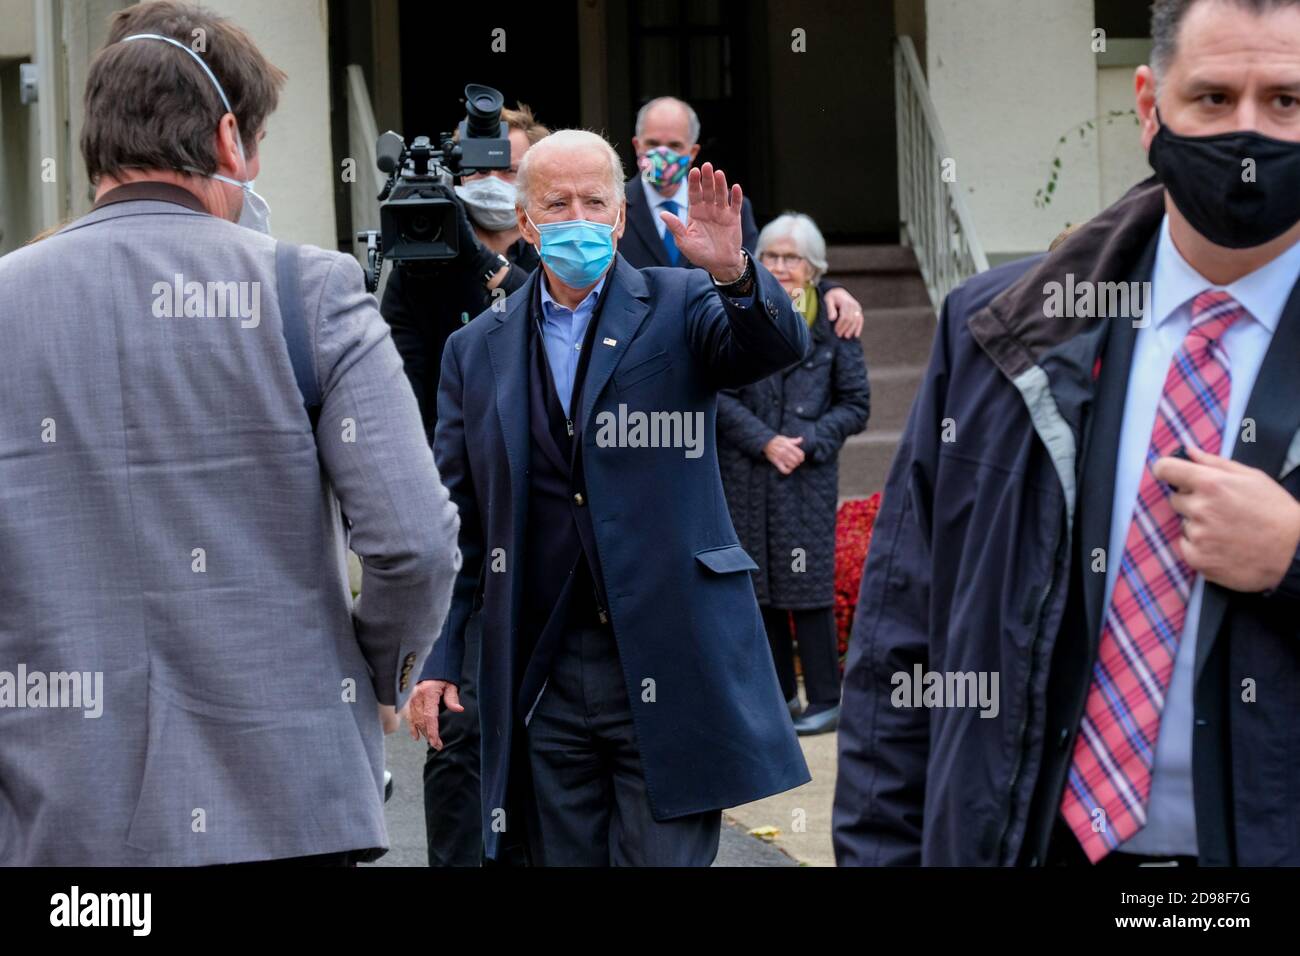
[(453, 816), (589, 801), (818, 651)]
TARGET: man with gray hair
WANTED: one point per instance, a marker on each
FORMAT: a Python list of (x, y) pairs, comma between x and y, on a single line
[(667, 142), (626, 691)]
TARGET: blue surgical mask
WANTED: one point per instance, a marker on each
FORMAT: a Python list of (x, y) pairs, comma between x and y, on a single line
[(577, 250), (255, 213)]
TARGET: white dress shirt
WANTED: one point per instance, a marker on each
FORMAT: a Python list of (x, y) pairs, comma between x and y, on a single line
[(1171, 820), (656, 200)]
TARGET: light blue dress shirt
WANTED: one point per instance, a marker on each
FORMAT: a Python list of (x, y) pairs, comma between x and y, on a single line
[(1171, 820), (657, 199), (563, 330)]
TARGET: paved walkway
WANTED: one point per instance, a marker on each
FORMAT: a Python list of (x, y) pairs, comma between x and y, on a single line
[(802, 817)]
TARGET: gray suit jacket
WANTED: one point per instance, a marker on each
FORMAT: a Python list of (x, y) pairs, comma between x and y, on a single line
[(169, 531)]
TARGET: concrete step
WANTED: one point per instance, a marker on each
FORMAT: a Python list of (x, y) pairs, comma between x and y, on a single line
[(897, 336), (884, 291), (878, 276), (865, 461), (898, 330), (871, 258), (893, 389)]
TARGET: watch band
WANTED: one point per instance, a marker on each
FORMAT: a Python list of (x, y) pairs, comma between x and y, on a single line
[(743, 285), (495, 265)]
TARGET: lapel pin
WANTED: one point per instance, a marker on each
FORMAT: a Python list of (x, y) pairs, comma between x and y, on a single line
[(611, 342)]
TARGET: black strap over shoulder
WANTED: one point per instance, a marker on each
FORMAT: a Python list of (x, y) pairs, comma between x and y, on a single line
[(289, 291)]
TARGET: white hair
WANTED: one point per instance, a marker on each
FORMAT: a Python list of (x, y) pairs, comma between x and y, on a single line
[(692, 120), (805, 235), (569, 140)]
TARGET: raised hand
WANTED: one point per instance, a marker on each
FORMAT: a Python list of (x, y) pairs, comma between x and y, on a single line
[(712, 238)]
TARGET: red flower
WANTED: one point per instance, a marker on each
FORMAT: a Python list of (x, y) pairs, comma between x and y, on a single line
[(853, 524)]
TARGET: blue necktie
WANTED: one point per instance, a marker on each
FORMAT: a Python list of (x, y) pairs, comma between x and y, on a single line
[(670, 244)]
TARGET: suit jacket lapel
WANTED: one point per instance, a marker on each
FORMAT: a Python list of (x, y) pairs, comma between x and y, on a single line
[(1275, 409), (621, 316), (1097, 484), (640, 219)]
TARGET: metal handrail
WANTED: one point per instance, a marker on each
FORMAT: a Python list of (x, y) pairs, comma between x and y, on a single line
[(934, 219)]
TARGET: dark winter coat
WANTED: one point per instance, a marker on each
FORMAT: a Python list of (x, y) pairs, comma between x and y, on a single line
[(681, 608), (787, 522), (1001, 490)]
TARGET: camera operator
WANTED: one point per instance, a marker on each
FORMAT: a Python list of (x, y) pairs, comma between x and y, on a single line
[(424, 304)]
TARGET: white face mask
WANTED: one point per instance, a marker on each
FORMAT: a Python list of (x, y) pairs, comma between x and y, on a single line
[(490, 202), (255, 213)]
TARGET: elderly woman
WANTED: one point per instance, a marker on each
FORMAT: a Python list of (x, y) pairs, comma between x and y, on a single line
[(778, 447)]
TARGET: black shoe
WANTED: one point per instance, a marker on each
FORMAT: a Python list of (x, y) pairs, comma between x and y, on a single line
[(388, 785), (818, 722), (794, 706)]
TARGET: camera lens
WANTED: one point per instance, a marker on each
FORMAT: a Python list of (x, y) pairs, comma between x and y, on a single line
[(421, 228)]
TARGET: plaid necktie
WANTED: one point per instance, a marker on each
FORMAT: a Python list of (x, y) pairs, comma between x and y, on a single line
[(1113, 753), (670, 242)]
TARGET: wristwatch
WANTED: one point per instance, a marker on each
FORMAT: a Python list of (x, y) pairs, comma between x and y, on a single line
[(742, 286), (495, 265)]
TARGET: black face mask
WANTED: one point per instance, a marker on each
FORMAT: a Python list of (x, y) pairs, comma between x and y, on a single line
[(1204, 177)]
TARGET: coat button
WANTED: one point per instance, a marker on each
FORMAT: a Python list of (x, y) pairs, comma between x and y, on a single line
[(578, 499), (798, 409), (1063, 738)]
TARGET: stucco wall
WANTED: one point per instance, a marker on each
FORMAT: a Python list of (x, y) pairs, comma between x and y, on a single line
[(1007, 83), (297, 164)]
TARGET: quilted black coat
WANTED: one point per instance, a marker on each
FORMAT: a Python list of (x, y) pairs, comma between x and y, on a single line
[(787, 522)]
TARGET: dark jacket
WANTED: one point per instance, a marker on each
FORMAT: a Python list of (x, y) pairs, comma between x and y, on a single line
[(787, 522), (978, 562), (424, 304), (711, 725), (641, 245)]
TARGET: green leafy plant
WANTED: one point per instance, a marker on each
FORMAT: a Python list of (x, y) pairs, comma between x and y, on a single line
[(1043, 198)]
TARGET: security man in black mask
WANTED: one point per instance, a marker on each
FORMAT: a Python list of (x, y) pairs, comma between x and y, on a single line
[(1135, 459), (424, 305)]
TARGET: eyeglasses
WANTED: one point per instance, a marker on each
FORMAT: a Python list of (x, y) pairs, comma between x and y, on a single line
[(785, 260)]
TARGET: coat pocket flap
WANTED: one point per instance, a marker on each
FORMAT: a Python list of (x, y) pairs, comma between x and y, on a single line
[(629, 375), (731, 557)]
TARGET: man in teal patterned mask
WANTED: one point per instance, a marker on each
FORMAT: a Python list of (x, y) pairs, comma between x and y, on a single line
[(667, 144)]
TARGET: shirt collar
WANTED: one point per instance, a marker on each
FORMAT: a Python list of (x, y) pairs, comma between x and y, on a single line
[(149, 189), (549, 303), (1262, 293), (654, 197)]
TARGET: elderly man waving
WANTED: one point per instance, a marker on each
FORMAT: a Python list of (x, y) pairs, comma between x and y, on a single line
[(626, 691)]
